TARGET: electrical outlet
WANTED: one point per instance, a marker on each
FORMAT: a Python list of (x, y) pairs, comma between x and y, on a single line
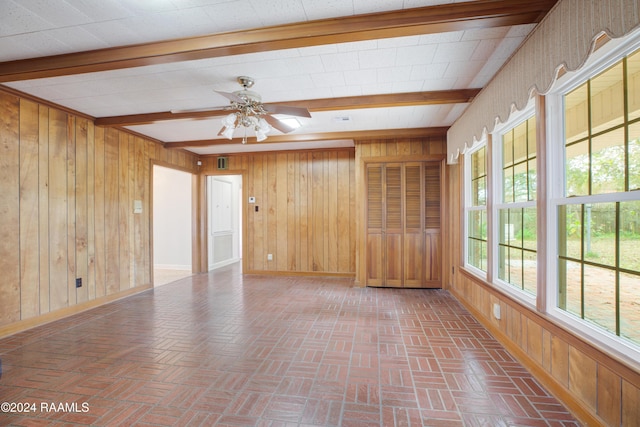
[(496, 311), (79, 282), (269, 257)]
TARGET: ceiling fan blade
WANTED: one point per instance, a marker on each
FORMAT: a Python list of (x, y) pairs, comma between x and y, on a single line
[(231, 96), (285, 109), (282, 127)]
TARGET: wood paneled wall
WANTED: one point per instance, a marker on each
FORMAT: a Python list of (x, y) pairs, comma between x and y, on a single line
[(66, 210), (306, 210), (597, 387)]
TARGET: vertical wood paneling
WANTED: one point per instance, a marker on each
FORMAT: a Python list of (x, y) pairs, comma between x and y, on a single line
[(609, 396), (305, 217), (344, 240), (123, 210), (29, 214), (304, 211), (91, 214), (272, 211), (81, 206), (293, 217), (630, 404), (111, 214), (353, 218), (282, 210), (66, 192), (71, 210), (138, 234), (9, 208), (99, 215), (43, 208), (582, 381), (317, 243), (58, 232), (331, 215)]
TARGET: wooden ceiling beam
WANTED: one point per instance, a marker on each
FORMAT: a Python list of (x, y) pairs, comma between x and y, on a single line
[(454, 96), (414, 21), (326, 136)]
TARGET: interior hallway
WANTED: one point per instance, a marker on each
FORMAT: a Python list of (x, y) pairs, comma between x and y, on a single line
[(226, 350)]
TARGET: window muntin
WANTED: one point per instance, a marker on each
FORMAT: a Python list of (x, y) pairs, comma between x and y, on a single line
[(598, 222), (476, 211)]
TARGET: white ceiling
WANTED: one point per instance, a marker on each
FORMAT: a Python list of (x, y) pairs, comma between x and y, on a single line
[(421, 63)]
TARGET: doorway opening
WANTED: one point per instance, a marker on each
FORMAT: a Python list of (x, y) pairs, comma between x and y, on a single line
[(224, 199), (172, 257)]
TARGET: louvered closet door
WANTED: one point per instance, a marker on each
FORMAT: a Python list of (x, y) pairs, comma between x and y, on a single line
[(393, 225), (413, 227), (374, 266), (432, 226), (403, 225)]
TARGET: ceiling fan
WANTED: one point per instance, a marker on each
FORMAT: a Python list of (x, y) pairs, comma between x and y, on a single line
[(250, 112)]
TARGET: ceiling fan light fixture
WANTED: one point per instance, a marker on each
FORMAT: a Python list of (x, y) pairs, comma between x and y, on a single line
[(251, 113), (228, 132)]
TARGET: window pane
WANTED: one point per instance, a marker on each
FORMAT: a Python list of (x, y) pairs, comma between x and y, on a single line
[(634, 156), (600, 233), (576, 114), (607, 162), (600, 297), (570, 231), (577, 169), (479, 190), (532, 180), (570, 289), (520, 143), (507, 185), (531, 137), (508, 231), (629, 318), (516, 266), (503, 256), (520, 183), (630, 239), (478, 163), (507, 149), (633, 85), (529, 229), (477, 241), (530, 268), (607, 99)]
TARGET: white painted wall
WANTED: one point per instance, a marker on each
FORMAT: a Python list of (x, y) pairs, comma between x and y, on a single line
[(224, 196), (171, 219)]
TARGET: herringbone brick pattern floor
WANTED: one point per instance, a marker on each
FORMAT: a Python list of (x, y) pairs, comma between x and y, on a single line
[(220, 349)]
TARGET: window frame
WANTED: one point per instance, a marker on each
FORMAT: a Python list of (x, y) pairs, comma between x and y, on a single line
[(599, 61), (469, 207), (514, 120)]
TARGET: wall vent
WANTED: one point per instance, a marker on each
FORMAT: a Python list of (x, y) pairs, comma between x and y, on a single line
[(223, 163)]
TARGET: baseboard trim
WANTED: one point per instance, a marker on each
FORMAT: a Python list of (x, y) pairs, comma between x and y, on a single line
[(301, 273), (23, 325)]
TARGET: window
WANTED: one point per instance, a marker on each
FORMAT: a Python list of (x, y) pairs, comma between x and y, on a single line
[(476, 209), (596, 204), (591, 208), (516, 238)]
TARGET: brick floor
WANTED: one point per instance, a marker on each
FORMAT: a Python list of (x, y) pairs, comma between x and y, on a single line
[(226, 350)]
